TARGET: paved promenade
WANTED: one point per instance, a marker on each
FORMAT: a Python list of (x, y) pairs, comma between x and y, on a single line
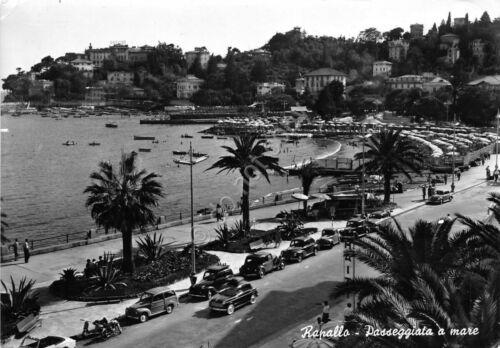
[(45, 268)]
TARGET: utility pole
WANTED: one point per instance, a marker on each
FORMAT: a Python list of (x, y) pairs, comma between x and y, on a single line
[(193, 252)]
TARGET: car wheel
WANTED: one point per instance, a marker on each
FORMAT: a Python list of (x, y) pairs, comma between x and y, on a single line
[(230, 309), (281, 265), (315, 252), (170, 309), (299, 259), (261, 273), (143, 318), (252, 299)]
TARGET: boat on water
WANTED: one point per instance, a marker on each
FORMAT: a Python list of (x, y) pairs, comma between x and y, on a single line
[(186, 153), (156, 141), (186, 136), (69, 143), (221, 137), (207, 136), (188, 162), (94, 143), (111, 125), (181, 153), (140, 137), (143, 149), (199, 154)]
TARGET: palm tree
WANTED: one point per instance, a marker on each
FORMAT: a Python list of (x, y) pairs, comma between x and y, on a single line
[(248, 157), (123, 199), (307, 173), (388, 153)]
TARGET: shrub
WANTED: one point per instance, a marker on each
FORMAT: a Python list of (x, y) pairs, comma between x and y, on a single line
[(152, 249), (70, 275), (223, 234), (19, 300), (290, 226), (107, 278)]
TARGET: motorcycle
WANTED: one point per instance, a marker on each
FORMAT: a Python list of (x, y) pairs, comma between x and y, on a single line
[(102, 329)]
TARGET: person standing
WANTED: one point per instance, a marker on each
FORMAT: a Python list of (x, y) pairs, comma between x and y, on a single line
[(325, 317), (15, 249), (446, 179), (26, 250), (488, 173), (495, 174), (459, 173), (218, 212), (424, 190)]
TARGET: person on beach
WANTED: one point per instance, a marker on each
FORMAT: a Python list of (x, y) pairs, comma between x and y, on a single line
[(26, 250), (325, 315), (15, 249)]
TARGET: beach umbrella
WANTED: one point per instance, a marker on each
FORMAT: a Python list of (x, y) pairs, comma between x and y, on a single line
[(312, 343), (321, 196), (300, 197)]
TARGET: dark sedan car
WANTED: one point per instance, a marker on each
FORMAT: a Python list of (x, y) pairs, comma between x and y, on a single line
[(232, 298), (329, 238), (380, 214), (299, 249), (260, 263), (214, 279), (440, 197)]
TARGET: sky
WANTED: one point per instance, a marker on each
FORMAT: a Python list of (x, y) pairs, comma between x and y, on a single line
[(33, 29)]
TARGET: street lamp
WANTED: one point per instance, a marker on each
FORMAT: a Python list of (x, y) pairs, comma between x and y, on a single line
[(191, 163), (496, 142), (363, 171), (453, 157)]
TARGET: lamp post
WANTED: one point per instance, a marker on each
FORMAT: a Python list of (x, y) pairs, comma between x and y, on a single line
[(191, 163), (496, 142)]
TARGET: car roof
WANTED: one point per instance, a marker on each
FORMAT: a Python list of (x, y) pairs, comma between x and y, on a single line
[(300, 238), (357, 219), (217, 267), (260, 253), (329, 229), (158, 290)]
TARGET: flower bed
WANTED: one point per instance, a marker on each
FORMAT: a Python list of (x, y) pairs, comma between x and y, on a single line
[(173, 266)]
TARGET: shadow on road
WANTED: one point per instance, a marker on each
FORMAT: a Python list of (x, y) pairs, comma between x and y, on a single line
[(278, 312)]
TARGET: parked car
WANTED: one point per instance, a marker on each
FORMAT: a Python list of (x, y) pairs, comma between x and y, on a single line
[(48, 342), (260, 263), (300, 248), (329, 238), (214, 279), (380, 214), (440, 197), (153, 302), (232, 298), (356, 228), (305, 231)]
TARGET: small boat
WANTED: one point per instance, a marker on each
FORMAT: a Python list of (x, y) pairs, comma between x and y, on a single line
[(94, 144), (221, 137), (155, 141), (199, 154), (181, 153), (186, 161), (140, 137), (207, 136), (111, 125), (186, 136), (69, 143), (142, 149)]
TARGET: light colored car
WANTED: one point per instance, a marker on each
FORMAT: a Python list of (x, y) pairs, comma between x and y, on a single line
[(440, 197), (152, 302), (48, 342), (329, 238)]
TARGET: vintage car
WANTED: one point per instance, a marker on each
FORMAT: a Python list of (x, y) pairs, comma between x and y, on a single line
[(300, 248), (380, 214), (440, 197), (260, 263), (356, 228), (233, 297), (48, 342), (329, 238), (152, 302), (214, 279)]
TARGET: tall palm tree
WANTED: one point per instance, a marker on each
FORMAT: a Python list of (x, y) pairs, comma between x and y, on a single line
[(123, 199), (307, 173), (389, 153), (248, 157)]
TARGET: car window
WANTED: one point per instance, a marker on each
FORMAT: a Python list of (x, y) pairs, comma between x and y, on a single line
[(250, 259), (158, 297), (208, 275), (246, 287), (146, 297), (169, 294), (229, 292), (297, 243)]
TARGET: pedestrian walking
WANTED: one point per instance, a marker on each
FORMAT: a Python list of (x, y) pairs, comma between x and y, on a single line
[(482, 161), (452, 187), (459, 173), (445, 179), (429, 191), (488, 173), (325, 317), (424, 190), (495, 174), (26, 250), (15, 249), (218, 212)]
